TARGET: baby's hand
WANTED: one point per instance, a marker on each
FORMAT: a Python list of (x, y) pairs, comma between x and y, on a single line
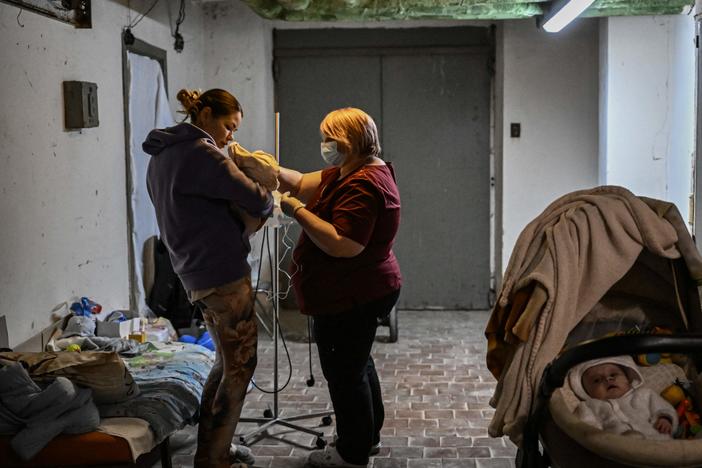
[(663, 425)]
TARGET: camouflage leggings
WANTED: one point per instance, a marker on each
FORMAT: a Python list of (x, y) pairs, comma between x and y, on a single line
[(230, 319)]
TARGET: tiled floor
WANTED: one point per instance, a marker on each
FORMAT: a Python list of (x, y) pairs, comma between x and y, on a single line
[(436, 389)]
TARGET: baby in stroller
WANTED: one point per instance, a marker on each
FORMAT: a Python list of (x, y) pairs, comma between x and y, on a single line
[(614, 400)]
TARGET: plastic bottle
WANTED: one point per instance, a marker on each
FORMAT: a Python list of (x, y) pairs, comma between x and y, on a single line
[(90, 306)]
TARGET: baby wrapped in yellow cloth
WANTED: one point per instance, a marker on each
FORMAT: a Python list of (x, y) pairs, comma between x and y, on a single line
[(260, 167)]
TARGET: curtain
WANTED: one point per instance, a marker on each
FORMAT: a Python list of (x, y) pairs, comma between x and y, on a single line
[(148, 109)]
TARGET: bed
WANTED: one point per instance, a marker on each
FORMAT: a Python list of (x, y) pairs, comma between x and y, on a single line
[(147, 398)]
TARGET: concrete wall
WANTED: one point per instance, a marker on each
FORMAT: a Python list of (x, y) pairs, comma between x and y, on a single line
[(648, 140), (551, 87), (63, 204)]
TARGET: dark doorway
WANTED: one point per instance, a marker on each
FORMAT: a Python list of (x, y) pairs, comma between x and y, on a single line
[(429, 91)]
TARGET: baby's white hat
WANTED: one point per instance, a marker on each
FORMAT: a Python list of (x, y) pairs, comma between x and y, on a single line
[(575, 375)]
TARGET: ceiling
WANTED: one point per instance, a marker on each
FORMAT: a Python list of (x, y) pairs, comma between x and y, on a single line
[(379, 10)]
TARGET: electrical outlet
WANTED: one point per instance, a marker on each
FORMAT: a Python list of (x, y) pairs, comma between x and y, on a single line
[(515, 130), (80, 101)]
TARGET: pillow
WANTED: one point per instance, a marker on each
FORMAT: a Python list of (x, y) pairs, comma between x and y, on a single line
[(103, 372), (79, 326)]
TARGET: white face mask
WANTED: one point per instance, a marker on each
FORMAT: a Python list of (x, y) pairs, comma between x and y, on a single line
[(331, 154)]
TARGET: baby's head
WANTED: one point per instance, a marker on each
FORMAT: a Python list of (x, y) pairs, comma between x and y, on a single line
[(606, 381), (605, 378)]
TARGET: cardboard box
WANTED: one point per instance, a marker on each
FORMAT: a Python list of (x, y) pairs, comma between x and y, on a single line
[(118, 329)]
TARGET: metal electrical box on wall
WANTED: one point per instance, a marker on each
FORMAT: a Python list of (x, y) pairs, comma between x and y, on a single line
[(80, 104)]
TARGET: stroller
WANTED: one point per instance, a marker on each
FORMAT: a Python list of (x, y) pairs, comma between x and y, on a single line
[(599, 273)]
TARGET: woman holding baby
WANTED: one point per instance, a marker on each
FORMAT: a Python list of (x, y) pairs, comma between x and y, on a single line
[(193, 186)]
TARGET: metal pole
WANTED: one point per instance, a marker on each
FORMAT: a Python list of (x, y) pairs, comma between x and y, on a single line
[(276, 288), (266, 422)]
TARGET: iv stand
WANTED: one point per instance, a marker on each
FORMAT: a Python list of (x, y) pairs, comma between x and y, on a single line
[(269, 418)]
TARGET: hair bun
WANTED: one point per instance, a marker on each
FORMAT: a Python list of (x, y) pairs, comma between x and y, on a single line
[(221, 102), (189, 99)]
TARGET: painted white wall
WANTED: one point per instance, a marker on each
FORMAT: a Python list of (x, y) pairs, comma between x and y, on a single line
[(63, 203), (648, 109), (551, 87)]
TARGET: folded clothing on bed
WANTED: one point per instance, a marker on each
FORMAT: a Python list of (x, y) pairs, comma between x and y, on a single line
[(102, 372), (35, 415), (170, 379)]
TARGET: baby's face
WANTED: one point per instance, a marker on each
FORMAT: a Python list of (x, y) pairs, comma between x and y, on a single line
[(606, 382)]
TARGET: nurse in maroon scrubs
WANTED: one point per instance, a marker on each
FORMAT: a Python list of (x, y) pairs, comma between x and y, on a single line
[(348, 276)]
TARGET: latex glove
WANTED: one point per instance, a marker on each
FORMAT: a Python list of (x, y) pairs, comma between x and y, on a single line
[(289, 204)]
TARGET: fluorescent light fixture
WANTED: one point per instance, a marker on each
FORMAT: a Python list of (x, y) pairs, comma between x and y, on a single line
[(565, 12)]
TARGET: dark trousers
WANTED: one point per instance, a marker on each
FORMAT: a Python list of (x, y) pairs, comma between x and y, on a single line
[(344, 342)]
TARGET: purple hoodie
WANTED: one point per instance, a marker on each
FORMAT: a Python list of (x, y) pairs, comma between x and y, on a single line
[(192, 185)]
